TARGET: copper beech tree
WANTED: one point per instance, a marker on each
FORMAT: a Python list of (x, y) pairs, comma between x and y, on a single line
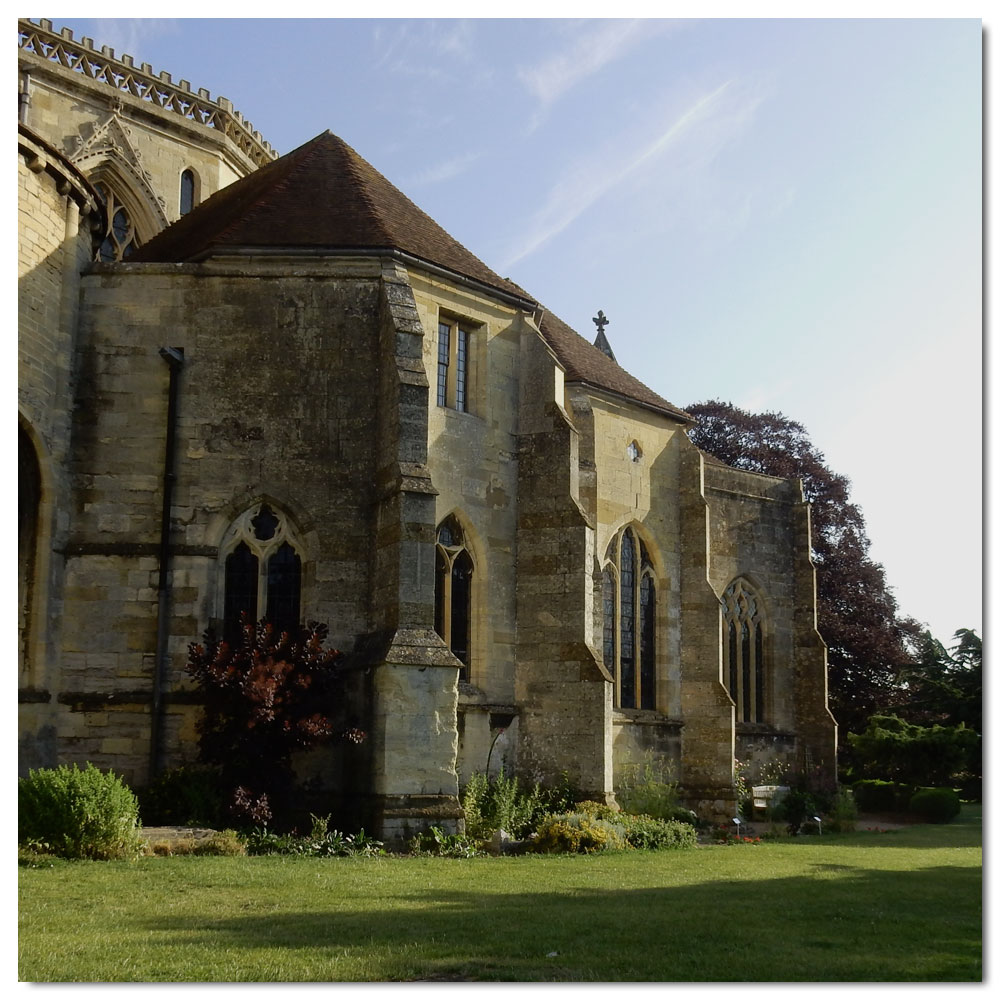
[(265, 697), (869, 642)]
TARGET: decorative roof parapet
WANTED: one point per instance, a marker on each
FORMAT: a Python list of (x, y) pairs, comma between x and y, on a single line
[(159, 90)]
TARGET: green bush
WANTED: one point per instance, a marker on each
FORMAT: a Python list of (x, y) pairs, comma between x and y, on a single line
[(795, 808), (895, 750), (936, 805), (183, 796), (843, 812), (578, 833), (646, 788), (502, 803), (446, 845), (651, 834), (78, 814), (873, 795)]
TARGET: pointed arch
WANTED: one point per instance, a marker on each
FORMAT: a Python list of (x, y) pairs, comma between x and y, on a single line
[(260, 569), (457, 585), (744, 649), (629, 606)]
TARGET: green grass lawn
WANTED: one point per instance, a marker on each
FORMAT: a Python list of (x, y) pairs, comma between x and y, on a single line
[(863, 907)]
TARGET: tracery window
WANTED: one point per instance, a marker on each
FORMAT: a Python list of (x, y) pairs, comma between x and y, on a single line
[(453, 592), (120, 240), (629, 605), (187, 191), (262, 572), (743, 626), (454, 341)]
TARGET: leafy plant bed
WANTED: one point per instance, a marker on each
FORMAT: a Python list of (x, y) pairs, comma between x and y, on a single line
[(850, 907)]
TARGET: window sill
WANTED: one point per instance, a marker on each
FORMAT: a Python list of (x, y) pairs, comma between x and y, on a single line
[(644, 717)]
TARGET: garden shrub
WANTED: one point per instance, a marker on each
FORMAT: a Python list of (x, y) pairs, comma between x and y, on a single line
[(795, 807), (446, 845), (895, 750), (321, 842), (647, 833), (265, 697), (78, 813), (842, 813), (578, 833), (874, 795), (501, 803), (936, 805), (183, 796), (646, 788)]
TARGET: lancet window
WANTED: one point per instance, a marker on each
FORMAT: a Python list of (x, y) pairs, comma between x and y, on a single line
[(120, 240), (187, 191), (743, 627), (629, 606), (453, 592), (262, 571)]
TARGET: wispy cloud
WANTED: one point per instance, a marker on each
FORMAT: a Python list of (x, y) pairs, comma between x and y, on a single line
[(437, 50), (126, 35), (445, 171), (577, 191), (594, 47)]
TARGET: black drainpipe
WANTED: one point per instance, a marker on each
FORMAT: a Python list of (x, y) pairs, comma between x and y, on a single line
[(174, 357)]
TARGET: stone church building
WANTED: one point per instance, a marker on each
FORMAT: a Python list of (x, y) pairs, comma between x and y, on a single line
[(273, 384)]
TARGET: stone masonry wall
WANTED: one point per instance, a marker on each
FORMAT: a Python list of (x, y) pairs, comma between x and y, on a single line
[(276, 402), (472, 458), (56, 208), (562, 690)]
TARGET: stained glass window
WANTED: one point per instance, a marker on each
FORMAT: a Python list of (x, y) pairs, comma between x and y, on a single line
[(453, 575), (262, 572), (629, 609), (743, 650)]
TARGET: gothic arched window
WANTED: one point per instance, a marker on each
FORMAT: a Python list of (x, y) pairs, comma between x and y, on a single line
[(453, 570), (187, 191), (629, 604), (262, 572), (743, 650), (119, 238)]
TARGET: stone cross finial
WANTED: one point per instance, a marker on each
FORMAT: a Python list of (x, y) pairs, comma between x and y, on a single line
[(601, 343)]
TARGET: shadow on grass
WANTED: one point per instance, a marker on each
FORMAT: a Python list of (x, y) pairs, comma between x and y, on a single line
[(842, 924)]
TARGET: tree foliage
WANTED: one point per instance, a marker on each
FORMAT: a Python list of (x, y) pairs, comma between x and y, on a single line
[(867, 639), (264, 698), (945, 686), (895, 750)]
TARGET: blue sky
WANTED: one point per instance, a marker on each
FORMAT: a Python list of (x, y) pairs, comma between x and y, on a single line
[(783, 214)]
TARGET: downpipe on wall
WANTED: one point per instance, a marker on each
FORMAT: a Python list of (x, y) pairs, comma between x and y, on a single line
[(174, 357)]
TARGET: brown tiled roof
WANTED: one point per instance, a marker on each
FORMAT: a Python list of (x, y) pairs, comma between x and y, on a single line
[(322, 195), (586, 363)]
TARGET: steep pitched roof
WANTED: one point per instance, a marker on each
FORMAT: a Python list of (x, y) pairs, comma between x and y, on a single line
[(322, 195), (586, 363)]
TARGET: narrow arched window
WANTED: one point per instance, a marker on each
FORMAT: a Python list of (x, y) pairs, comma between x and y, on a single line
[(629, 607), (262, 572), (743, 627), (454, 570), (187, 191), (120, 240)]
